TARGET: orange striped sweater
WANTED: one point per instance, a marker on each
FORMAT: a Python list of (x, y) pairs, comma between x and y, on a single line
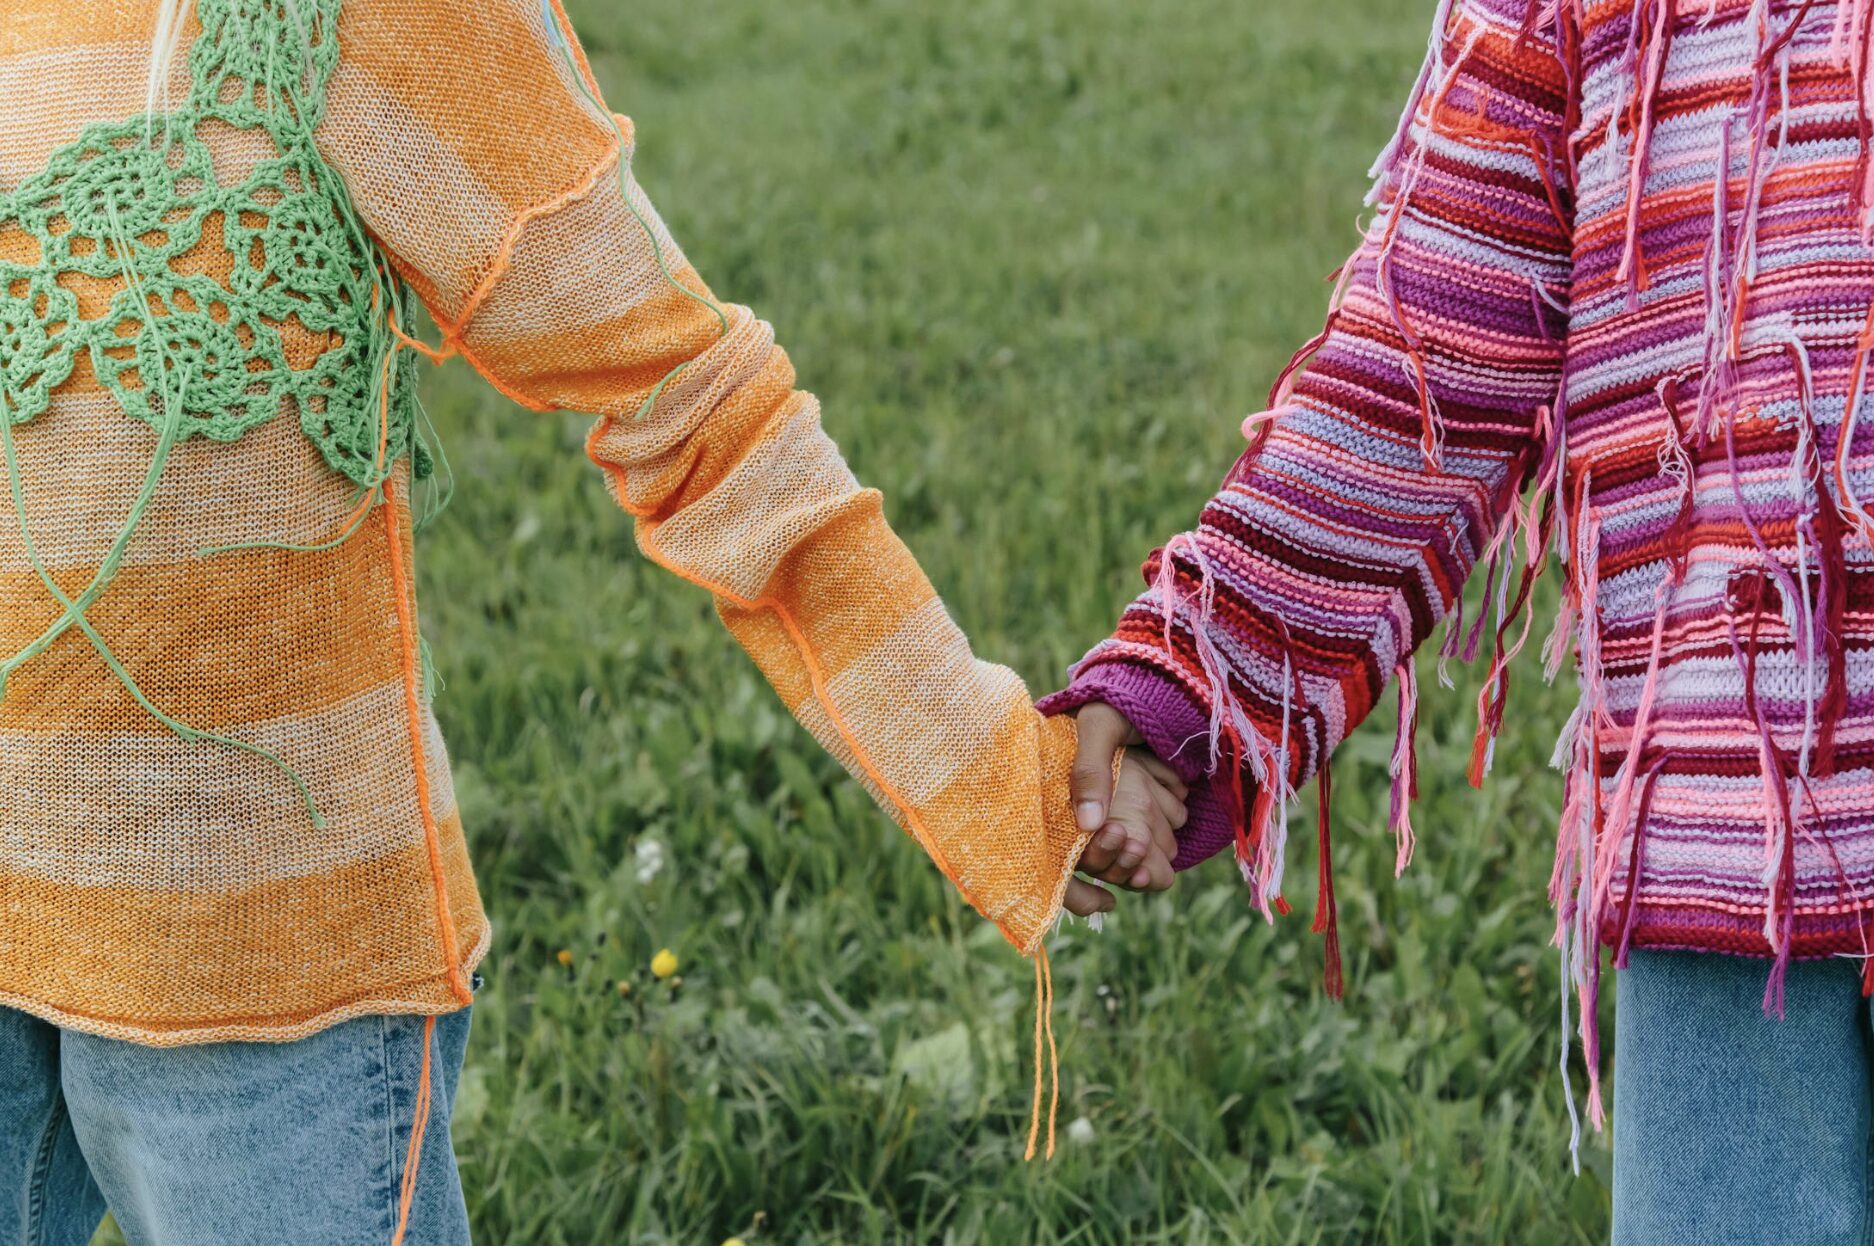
[(228, 810)]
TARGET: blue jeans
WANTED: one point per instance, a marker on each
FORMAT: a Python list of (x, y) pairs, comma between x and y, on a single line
[(228, 1144), (1733, 1127)]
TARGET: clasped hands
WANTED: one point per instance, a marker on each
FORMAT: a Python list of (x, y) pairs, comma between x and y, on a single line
[(1134, 818)]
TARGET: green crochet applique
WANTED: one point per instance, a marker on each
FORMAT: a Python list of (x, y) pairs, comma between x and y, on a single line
[(128, 200), (305, 320)]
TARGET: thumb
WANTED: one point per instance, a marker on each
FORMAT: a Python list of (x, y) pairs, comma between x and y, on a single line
[(1102, 731)]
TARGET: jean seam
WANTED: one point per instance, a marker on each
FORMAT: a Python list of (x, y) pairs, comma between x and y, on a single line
[(1867, 1190), (1867, 1139), (42, 1172), (390, 1126), (1867, 1196)]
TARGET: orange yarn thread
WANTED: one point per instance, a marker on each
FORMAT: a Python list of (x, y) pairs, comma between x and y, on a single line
[(400, 586), (413, 1155), (1044, 1029)]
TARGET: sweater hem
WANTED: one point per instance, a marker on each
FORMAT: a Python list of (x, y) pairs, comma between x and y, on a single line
[(429, 997), (1690, 928)]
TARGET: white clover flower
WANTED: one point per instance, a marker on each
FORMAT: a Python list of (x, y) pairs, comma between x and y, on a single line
[(650, 859)]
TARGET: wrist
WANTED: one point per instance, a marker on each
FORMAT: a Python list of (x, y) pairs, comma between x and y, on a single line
[(1176, 727)]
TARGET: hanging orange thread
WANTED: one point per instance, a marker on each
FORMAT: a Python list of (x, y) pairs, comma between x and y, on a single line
[(1044, 1034), (413, 1155)]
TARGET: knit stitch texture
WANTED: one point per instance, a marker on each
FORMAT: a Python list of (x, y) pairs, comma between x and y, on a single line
[(228, 808), (1613, 311)]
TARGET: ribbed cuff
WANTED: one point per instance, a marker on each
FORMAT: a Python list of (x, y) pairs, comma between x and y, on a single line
[(1177, 728)]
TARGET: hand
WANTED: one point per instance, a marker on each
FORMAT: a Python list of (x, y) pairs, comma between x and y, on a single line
[(1137, 820), (1134, 849), (1102, 731)]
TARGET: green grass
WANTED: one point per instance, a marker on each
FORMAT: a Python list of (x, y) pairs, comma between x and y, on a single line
[(1038, 259)]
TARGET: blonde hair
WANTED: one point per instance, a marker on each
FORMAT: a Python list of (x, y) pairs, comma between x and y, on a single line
[(171, 16)]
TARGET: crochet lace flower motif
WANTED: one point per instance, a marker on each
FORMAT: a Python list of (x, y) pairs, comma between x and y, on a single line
[(237, 300)]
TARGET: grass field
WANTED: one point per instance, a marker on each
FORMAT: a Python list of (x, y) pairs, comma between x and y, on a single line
[(1038, 259)]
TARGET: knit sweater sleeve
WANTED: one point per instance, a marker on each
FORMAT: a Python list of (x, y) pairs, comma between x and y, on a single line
[(475, 146), (1391, 461)]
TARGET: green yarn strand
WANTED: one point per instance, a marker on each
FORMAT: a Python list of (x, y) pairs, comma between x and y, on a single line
[(74, 616), (195, 357), (300, 254)]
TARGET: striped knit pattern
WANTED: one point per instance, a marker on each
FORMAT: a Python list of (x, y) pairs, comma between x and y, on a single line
[(1613, 309), (170, 891)]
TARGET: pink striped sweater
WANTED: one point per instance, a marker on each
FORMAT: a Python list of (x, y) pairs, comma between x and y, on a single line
[(1613, 312)]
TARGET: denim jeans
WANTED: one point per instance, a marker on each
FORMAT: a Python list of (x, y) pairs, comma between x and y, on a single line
[(1734, 1127), (228, 1144)]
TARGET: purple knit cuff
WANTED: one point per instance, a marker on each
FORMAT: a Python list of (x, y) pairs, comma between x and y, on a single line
[(1176, 728)]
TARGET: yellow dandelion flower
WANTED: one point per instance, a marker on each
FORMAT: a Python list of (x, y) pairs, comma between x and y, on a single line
[(624, 989), (734, 1241), (564, 956), (664, 963)]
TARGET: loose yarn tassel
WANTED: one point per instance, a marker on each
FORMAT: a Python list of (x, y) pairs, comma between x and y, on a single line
[(1326, 913), (1622, 803), (1235, 741), (1396, 172), (1454, 628), (1636, 862), (413, 1155), (1576, 867), (1044, 1034), (1826, 618), (1258, 426), (1779, 815), (1493, 698), (1675, 462), (1405, 764), (1851, 414), (1654, 46)]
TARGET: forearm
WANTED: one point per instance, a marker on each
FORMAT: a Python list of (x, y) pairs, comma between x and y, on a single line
[(1390, 462), (547, 267), (813, 582)]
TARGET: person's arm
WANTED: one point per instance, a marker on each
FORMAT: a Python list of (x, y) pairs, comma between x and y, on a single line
[(1389, 464), (474, 145)]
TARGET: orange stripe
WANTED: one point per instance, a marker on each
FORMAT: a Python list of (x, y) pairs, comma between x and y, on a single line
[(872, 597), (504, 254), (492, 107), (218, 642), (284, 952), (698, 464), (640, 348), (606, 367), (52, 25)]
